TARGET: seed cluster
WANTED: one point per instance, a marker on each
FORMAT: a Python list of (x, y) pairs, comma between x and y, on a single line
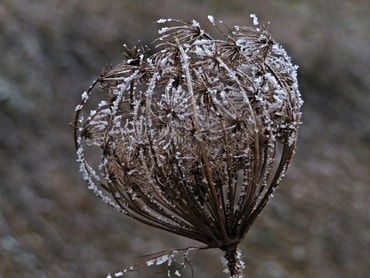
[(195, 137)]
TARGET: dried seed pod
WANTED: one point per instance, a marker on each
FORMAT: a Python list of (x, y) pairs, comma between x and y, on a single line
[(194, 138)]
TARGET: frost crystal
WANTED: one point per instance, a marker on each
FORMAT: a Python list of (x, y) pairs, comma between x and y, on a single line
[(255, 19), (194, 138), (211, 19)]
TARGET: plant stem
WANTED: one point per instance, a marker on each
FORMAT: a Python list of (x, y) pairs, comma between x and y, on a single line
[(233, 261)]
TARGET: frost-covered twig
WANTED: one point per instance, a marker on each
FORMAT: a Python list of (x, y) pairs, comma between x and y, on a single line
[(176, 261)]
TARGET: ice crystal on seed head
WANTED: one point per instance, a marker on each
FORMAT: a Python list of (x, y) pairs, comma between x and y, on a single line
[(255, 19), (211, 19), (195, 137)]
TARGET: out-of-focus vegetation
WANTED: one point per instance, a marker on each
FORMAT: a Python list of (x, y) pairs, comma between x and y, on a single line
[(318, 223)]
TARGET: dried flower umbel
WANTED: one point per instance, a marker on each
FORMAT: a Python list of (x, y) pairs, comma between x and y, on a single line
[(194, 138)]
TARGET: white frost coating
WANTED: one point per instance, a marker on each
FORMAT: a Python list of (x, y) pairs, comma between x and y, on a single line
[(78, 107), (90, 175), (163, 20), (211, 19), (225, 262), (241, 263), (162, 259), (195, 23), (255, 19), (162, 30), (84, 96), (205, 48)]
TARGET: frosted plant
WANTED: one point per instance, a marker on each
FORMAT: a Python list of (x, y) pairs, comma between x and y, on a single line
[(194, 138)]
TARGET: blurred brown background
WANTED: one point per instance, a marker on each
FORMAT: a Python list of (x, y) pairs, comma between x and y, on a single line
[(51, 225)]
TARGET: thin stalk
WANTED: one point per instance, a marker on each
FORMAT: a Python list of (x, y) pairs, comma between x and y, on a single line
[(233, 261)]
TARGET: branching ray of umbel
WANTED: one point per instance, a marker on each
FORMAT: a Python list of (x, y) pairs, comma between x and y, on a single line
[(194, 138)]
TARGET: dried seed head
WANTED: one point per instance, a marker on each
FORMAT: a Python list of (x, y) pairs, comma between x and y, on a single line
[(194, 138)]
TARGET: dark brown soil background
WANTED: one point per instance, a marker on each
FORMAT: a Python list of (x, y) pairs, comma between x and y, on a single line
[(51, 225)]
